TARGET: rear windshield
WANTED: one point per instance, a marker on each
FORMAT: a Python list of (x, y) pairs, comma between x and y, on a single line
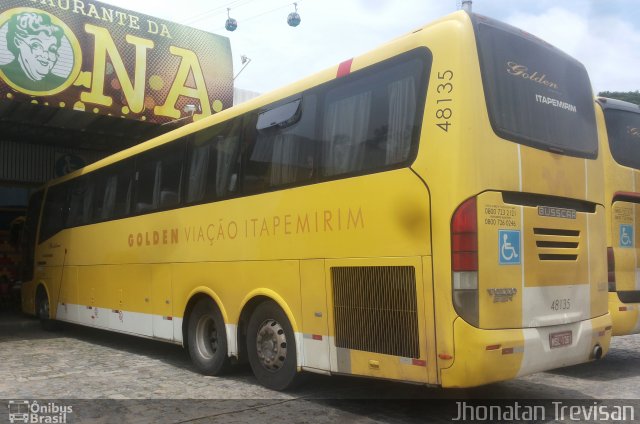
[(536, 95), (623, 129)]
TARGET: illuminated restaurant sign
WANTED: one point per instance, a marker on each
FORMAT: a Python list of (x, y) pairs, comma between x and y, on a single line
[(93, 57)]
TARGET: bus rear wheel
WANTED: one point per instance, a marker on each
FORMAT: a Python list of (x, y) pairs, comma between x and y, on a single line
[(271, 347), (207, 339)]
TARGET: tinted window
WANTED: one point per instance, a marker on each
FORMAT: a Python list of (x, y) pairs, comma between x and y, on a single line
[(213, 163), (536, 95), (100, 212), (282, 154), (125, 173), (371, 120), (80, 202), (282, 116), (159, 173), (368, 121), (113, 189), (623, 129), (55, 211)]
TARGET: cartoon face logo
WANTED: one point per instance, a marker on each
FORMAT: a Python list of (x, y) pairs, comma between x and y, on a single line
[(39, 54)]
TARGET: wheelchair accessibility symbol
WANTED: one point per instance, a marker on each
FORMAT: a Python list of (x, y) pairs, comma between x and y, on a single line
[(626, 235), (509, 247)]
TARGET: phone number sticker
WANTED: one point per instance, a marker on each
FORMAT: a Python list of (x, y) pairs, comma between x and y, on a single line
[(500, 215)]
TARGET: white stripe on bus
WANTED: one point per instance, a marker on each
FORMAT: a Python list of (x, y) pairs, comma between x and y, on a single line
[(170, 329)]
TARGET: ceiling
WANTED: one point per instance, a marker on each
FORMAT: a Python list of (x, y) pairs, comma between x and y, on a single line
[(38, 124)]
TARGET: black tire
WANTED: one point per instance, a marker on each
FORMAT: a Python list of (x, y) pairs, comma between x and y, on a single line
[(207, 339), (42, 311), (271, 347)]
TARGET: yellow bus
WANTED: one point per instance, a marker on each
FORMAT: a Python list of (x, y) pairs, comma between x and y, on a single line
[(619, 124), (429, 212)]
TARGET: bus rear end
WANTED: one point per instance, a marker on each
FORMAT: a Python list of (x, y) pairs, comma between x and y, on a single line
[(527, 247), (621, 152)]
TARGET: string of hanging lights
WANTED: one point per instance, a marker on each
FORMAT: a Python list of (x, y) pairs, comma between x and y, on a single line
[(231, 24), (293, 19), (217, 10)]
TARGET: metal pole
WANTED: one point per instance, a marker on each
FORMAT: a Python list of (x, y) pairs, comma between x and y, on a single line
[(245, 61), (466, 5)]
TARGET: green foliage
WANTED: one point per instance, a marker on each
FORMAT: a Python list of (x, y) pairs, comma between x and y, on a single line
[(627, 96)]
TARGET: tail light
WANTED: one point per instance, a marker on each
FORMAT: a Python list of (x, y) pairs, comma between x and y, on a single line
[(464, 261), (611, 267)]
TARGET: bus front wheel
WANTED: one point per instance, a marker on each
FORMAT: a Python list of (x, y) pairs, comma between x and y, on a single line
[(43, 310), (207, 339), (271, 347)]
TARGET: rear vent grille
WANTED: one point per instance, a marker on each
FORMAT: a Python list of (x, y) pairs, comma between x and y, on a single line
[(557, 244), (375, 309), (557, 257), (556, 232)]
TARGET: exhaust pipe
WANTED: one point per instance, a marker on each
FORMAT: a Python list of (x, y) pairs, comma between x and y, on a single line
[(597, 352)]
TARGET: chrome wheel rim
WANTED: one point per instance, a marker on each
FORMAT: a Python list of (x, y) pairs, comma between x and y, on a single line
[(206, 337), (271, 345)]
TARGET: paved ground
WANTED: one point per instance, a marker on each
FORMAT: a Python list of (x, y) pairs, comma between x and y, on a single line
[(81, 363)]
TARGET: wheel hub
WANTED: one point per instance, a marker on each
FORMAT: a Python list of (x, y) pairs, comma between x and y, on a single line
[(271, 344), (207, 337)]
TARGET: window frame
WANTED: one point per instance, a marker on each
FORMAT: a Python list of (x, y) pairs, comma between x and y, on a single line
[(190, 140), (492, 106), (157, 152), (102, 175), (320, 91), (247, 136), (619, 157), (46, 233)]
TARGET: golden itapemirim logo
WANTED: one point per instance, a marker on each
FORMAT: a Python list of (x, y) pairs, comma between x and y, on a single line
[(39, 54), (522, 71)]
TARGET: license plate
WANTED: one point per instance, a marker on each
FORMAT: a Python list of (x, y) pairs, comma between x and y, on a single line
[(564, 338)]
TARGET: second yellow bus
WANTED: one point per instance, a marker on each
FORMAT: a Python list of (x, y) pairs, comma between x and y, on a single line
[(619, 123)]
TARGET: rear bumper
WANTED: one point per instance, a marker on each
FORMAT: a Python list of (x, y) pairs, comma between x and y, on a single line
[(625, 316), (486, 356)]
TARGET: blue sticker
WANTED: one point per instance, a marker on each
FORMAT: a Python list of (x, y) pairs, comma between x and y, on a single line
[(509, 247), (626, 235)]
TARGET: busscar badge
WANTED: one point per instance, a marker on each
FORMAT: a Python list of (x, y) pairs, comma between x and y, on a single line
[(557, 212)]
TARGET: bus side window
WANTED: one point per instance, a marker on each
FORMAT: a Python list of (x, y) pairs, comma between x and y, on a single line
[(112, 187), (124, 189), (55, 211), (371, 121), (346, 131), (80, 202), (109, 195), (213, 162), (281, 152), (159, 173), (87, 203), (99, 188)]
